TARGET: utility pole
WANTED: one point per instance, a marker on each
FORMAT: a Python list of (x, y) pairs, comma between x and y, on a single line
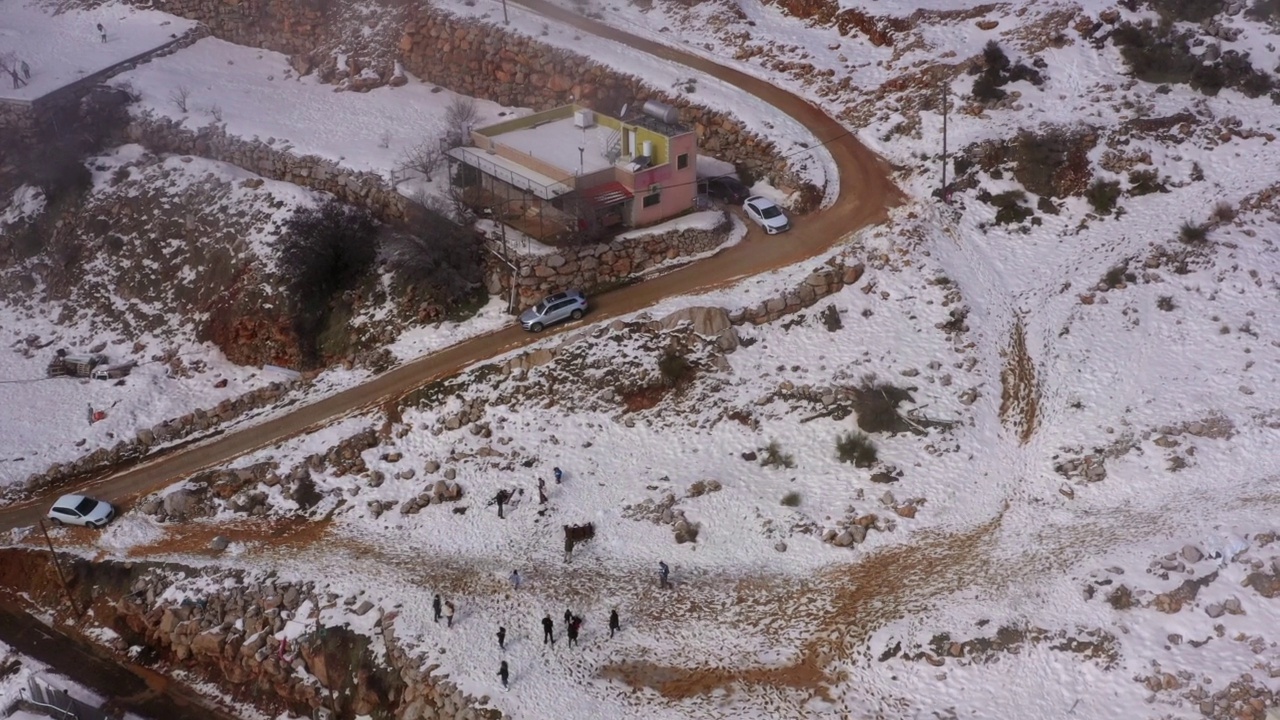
[(946, 89), (58, 566), (505, 20)]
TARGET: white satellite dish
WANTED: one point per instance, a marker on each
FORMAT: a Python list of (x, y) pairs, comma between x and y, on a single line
[(623, 114)]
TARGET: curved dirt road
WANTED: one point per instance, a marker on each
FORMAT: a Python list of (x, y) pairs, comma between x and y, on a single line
[(866, 192)]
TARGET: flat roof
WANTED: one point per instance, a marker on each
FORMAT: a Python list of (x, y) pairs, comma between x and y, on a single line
[(509, 171), (556, 143)]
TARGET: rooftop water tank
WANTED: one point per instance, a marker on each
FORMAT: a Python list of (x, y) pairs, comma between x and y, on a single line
[(661, 111), (584, 118)]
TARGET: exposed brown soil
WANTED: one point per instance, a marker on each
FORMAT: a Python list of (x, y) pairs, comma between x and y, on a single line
[(1019, 391)]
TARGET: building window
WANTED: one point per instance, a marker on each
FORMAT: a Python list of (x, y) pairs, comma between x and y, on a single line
[(682, 161), (651, 200)]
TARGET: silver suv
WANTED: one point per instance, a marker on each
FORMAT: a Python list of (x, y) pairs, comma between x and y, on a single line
[(568, 305)]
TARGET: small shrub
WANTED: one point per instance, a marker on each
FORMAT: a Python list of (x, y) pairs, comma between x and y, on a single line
[(993, 56), (775, 458), (1223, 212), (986, 88), (1115, 276), (1192, 11), (675, 369), (876, 403), (1046, 206), (179, 96), (1265, 11), (856, 448), (1102, 195), (1145, 182), (1197, 172), (1013, 214), (1193, 234), (831, 318), (1165, 303), (791, 499), (1045, 161)]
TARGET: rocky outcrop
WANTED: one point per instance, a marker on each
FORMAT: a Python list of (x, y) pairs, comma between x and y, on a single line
[(591, 267)]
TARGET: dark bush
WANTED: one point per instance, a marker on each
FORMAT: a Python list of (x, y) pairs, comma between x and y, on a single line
[(1115, 276), (1022, 71), (856, 448), (1145, 182), (986, 88), (831, 318), (1208, 79), (1193, 234), (1165, 303), (775, 458), (1223, 212), (325, 250), (791, 499), (1102, 195), (1046, 206), (438, 259), (1156, 54), (675, 369), (1265, 11), (876, 403), (1237, 72), (994, 57), (1192, 11), (1045, 161), (1010, 211)]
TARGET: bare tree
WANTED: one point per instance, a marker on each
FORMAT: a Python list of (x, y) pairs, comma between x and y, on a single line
[(424, 158), (9, 63), (459, 116), (179, 97)]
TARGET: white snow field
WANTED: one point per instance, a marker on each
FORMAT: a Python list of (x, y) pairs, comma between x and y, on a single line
[(60, 48)]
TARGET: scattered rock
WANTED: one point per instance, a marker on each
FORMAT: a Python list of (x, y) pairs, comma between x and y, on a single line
[(780, 546), (1192, 554), (219, 543)]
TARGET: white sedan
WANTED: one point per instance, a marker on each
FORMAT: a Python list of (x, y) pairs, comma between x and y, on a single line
[(766, 214), (81, 510)]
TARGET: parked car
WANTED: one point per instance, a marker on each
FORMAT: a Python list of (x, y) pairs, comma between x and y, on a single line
[(568, 305), (81, 510), (727, 190), (766, 214)]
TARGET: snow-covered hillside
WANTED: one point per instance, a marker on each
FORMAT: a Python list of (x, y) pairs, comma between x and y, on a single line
[(1074, 517)]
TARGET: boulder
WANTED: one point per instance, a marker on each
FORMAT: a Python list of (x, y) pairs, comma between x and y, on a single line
[(219, 543), (1192, 554), (180, 503), (431, 467), (844, 539), (709, 322)]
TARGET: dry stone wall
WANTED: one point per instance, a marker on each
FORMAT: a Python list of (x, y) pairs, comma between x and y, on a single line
[(591, 267), (162, 135), (468, 57), (819, 284), (147, 439)]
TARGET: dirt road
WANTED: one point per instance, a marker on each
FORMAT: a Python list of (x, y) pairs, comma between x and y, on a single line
[(866, 192)]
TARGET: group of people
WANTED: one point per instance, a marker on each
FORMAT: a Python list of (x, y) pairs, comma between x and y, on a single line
[(445, 610), (504, 496), (573, 627)]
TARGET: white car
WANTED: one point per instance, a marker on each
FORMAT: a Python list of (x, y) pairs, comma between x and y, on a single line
[(767, 214), (81, 510)]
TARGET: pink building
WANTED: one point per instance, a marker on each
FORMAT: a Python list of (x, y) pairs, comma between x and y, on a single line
[(571, 169)]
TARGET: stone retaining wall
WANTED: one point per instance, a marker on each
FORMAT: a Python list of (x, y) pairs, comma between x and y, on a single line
[(819, 284), (591, 267), (162, 135), (148, 438), (469, 57)]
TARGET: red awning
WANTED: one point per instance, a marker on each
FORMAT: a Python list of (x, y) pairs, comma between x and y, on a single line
[(610, 193)]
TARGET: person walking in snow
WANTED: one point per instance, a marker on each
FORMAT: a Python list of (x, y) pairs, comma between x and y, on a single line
[(664, 573), (501, 498), (614, 625), (448, 613), (504, 673), (568, 616), (574, 624), (558, 474), (103, 32), (502, 638), (515, 580), (435, 608), (548, 631)]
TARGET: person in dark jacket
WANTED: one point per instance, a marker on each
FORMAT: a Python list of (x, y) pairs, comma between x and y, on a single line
[(548, 631), (504, 673), (502, 638), (558, 475), (614, 625), (435, 608), (568, 616), (575, 624)]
